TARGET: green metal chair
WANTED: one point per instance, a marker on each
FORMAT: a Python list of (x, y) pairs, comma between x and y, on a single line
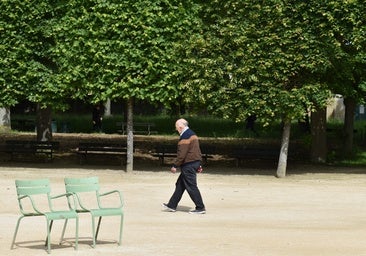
[(81, 187), (34, 195)]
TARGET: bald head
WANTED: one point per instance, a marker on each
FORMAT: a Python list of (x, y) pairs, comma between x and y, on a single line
[(181, 124)]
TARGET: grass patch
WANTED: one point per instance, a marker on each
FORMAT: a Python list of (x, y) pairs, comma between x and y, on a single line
[(358, 160)]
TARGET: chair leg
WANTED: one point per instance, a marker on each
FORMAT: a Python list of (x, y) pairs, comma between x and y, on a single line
[(120, 231), (49, 227), (96, 234), (93, 231), (16, 232), (77, 233), (48, 240), (63, 231)]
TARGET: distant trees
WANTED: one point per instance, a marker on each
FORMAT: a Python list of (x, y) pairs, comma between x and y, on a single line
[(348, 73), (121, 50), (262, 58), (275, 60), (28, 69), (91, 50)]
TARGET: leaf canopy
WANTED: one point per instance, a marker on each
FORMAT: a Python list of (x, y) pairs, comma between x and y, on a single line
[(122, 49)]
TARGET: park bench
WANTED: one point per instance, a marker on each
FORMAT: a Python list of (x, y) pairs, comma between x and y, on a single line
[(138, 128), (244, 152), (170, 151), (30, 147), (86, 149)]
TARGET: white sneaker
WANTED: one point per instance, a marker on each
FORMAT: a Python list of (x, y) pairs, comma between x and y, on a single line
[(197, 211), (167, 209)]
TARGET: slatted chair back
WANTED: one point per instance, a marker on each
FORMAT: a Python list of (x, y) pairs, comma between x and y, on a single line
[(33, 187), (79, 186), (28, 189)]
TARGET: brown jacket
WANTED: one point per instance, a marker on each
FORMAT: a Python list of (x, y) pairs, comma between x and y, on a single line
[(188, 149)]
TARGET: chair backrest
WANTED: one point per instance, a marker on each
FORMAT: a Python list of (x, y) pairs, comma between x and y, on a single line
[(32, 187), (77, 185), (83, 188), (29, 189)]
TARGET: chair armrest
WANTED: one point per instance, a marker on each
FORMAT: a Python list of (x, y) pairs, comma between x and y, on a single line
[(24, 212), (61, 195), (109, 193), (71, 204), (78, 206)]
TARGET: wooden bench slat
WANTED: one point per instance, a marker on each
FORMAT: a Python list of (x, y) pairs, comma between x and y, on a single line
[(14, 147), (113, 149), (250, 153), (146, 128)]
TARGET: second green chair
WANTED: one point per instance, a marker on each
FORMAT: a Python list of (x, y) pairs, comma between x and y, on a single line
[(81, 189)]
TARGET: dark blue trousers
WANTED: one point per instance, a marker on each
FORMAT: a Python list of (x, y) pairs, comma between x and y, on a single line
[(187, 180)]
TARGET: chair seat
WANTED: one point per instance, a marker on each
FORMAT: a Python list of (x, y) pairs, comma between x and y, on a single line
[(106, 211), (56, 215)]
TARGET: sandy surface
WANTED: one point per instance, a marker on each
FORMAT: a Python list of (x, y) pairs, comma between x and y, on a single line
[(311, 212)]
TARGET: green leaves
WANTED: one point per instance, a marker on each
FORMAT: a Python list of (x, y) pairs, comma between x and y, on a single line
[(125, 49), (282, 52), (234, 58)]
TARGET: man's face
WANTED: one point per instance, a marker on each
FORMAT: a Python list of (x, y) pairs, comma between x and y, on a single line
[(178, 128)]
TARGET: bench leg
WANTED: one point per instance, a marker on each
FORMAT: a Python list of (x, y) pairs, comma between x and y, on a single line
[(48, 157), (161, 159), (82, 158), (237, 162), (124, 160), (205, 161)]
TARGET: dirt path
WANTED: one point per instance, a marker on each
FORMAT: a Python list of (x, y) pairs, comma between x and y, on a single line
[(307, 213)]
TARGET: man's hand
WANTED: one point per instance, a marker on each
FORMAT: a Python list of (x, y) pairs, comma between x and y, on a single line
[(200, 169), (173, 169)]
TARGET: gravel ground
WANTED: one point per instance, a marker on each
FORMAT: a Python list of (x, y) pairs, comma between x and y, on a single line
[(313, 211)]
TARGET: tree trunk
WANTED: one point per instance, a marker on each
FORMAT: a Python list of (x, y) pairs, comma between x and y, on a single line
[(107, 108), (43, 123), (129, 165), (319, 136), (282, 161), (5, 119), (350, 105)]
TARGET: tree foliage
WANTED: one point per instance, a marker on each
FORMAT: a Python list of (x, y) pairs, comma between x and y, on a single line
[(121, 49), (262, 57), (271, 58), (347, 76), (27, 70)]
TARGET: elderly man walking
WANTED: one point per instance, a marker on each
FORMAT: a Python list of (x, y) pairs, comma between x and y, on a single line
[(189, 161)]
